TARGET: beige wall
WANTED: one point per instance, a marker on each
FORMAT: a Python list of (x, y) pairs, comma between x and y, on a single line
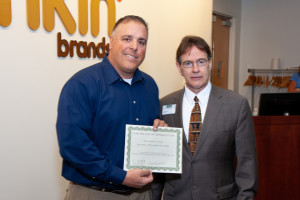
[(31, 77)]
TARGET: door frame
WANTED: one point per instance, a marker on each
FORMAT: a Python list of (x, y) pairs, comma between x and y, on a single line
[(233, 67)]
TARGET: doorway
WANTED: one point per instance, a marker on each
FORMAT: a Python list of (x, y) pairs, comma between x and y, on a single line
[(220, 49)]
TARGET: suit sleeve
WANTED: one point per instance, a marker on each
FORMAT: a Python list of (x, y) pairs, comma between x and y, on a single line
[(246, 169)]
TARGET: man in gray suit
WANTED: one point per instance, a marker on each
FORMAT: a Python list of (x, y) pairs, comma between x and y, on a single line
[(219, 161)]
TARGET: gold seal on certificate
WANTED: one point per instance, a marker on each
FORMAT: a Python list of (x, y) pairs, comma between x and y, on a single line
[(160, 151)]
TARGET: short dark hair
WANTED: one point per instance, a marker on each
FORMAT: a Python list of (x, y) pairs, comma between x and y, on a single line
[(188, 42), (128, 18)]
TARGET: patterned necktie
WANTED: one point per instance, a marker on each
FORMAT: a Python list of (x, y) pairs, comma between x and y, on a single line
[(195, 126)]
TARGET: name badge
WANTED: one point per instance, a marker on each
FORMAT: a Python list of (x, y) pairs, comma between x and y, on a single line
[(168, 109)]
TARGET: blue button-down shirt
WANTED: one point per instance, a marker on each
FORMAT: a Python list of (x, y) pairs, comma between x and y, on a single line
[(94, 107), (296, 77)]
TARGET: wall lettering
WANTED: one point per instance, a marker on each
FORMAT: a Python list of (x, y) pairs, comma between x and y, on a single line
[(5, 12), (50, 7), (82, 48), (59, 6)]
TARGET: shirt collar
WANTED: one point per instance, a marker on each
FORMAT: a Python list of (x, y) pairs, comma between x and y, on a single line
[(202, 95), (112, 75)]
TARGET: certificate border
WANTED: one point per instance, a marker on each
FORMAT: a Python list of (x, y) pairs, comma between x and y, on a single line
[(177, 169)]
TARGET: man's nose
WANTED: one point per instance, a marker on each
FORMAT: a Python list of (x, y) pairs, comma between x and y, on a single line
[(195, 67), (134, 45)]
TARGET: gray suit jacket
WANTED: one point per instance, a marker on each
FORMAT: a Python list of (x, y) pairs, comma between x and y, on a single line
[(224, 165)]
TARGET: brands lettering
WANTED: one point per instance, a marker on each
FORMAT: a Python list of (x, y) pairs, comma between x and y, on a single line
[(83, 49)]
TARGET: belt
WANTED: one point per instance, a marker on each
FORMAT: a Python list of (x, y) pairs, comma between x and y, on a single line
[(103, 189)]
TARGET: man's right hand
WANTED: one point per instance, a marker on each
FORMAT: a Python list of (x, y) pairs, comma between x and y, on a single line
[(137, 178)]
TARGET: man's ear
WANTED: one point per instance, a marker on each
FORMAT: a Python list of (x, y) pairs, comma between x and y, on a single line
[(110, 41), (210, 64), (179, 68)]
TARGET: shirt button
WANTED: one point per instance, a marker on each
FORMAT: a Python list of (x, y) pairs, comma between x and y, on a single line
[(137, 119), (134, 102)]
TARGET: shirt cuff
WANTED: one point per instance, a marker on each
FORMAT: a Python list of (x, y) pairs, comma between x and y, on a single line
[(117, 175)]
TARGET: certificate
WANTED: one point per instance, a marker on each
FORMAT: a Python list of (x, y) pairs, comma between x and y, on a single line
[(160, 151)]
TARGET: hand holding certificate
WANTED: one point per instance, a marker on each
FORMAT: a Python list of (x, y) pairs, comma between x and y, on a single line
[(160, 151)]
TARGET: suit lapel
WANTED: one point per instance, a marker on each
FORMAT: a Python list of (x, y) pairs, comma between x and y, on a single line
[(213, 106), (178, 120), (178, 116)]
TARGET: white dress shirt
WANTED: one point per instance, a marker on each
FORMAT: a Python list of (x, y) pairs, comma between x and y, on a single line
[(188, 103)]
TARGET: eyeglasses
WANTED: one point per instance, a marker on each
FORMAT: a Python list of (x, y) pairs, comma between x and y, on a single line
[(189, 64)]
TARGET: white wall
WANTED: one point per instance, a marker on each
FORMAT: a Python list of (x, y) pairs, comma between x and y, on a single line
[(270, 29), (31, 77)]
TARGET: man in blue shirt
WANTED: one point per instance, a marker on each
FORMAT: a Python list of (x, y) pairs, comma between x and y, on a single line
[(294, 85), (94, 107)]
